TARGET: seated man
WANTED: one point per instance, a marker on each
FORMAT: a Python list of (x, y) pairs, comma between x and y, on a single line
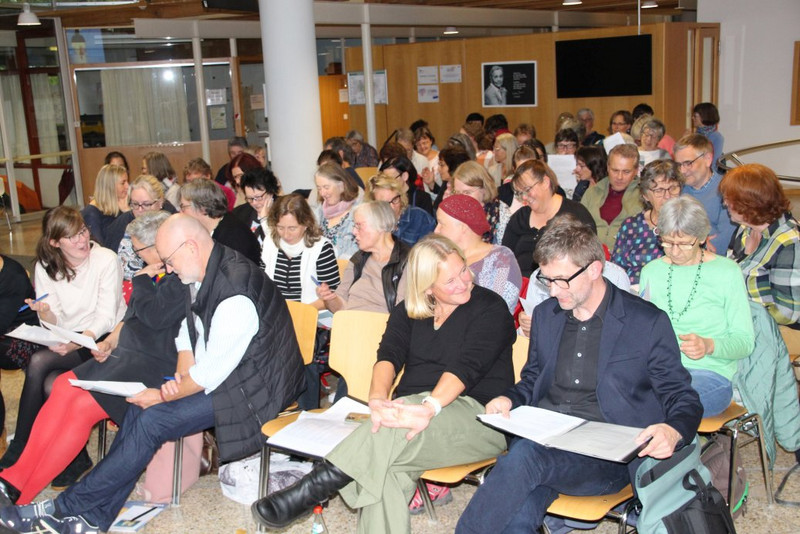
[(598, 366), (236, 145), (238, 366)]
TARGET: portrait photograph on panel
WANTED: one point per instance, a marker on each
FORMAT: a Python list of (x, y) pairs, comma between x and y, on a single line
[(509, 84)]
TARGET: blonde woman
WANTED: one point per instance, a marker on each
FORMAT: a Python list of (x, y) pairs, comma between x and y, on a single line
[(110, 199), (505, 145), (412, 223)]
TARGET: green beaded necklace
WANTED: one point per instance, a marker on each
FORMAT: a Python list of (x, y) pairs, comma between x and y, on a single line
[(696, 282)]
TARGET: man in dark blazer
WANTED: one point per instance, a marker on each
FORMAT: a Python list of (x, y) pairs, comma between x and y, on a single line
[(598, 353)]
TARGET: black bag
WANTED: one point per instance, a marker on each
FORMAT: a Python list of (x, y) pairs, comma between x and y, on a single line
[(706, 513), (716, 456)]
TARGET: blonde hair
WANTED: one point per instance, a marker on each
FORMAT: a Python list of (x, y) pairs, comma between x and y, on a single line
[(510, 145), (473, 174), (422, 272), (149, 183), (105, 189), (384, 181)]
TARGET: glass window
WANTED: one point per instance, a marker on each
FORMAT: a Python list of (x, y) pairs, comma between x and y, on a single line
[(120, 45)]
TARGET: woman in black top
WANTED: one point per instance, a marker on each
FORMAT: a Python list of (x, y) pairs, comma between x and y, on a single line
[(454, 340), (140, 349)]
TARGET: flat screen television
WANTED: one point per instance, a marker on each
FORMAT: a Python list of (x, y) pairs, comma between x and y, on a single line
[(610, 66)]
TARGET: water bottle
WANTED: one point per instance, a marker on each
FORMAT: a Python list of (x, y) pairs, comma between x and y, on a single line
[(318, 526)]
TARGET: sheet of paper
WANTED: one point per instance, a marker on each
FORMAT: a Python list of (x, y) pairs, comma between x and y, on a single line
[(325, 318), (611, 141), (532, 423), (427, 93), (122, 389), (36, 334), (135, 515), (450, 73), (318, 434), (427, 75), (563, 165), (600, 440), (79, 339)]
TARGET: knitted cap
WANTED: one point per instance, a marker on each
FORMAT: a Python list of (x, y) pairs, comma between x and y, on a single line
[(466, 209)]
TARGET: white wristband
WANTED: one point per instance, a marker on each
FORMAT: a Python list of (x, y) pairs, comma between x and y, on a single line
[(437, 406)]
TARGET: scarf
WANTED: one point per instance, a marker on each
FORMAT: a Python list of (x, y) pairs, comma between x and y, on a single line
[(706, 130), (293, 251), (331, 211)]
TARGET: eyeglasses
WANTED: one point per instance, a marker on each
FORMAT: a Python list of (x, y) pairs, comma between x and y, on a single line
[(184, 207), (166, 260), (562, 283), (83, 232), (256, 198), (142, 205), (620, 123), (659, 192), (395, 201), (138, 250), (469, 191), (566, 145), (682, 246), (687, 164), (520, 194)]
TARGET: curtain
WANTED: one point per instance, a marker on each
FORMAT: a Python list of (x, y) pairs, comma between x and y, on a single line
[(49, 112), (15, 114), (144, 106)]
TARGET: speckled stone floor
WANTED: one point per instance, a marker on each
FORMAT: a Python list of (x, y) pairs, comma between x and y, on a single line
[(204, 509)]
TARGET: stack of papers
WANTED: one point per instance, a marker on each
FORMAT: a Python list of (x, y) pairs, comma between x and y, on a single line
[(51, 335), (317, 434), (122, 389)]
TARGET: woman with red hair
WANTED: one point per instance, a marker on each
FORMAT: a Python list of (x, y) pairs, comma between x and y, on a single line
[(767, 243)]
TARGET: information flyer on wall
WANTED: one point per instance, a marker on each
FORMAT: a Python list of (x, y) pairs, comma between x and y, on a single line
[(357, 92), (427, 94)]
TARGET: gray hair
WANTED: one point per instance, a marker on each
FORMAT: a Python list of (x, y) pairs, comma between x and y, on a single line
[(145, 226), (355, 135), (567, 237), (656, 125), (206, 196), (380, 215), (585, 110), (683, 215), (660, 168), (625, 151)]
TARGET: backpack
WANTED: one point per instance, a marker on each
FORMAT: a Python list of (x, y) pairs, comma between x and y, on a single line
[(716, 456), (676, 496)]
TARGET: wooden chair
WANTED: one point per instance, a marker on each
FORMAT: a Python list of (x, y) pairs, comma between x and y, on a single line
[(5, 207), (365, 173), (304, 319), (342, 267), (474, 471), (594, 509), (733, 420), (355, 337)]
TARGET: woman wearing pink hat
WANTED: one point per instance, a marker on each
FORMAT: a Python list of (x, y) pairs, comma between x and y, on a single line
[(462, 219)]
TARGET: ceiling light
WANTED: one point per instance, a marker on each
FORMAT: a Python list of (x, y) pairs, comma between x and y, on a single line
[(571, 2), (450, 30), (648, 4), (27, 18)]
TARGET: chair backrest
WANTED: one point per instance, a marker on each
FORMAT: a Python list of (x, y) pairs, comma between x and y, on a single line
[(365, 173), (355, 336), (520, 355), (342, 267), (304, 318)]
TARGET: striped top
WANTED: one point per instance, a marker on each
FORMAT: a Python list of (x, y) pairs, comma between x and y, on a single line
[(287, 272)]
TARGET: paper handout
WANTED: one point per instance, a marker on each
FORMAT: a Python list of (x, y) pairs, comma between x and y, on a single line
[(122, 389), (69, 335), (552, 429), (36, 334)]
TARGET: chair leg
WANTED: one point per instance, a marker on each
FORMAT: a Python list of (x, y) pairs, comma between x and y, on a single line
[(733, 435), (426, 500), (177, 472), (102, 429), (263, 477), (764, 459)]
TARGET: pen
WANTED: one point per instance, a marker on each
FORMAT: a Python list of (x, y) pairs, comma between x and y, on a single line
[(317, 282), (25, 307), (169, 378)]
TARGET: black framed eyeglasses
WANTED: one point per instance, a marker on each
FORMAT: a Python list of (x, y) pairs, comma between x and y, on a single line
[(563, 283), (687, 164), (138, 250)]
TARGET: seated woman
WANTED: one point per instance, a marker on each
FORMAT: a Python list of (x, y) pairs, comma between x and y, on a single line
[(591, 166), (637, 241), (450, 159), (157, 164), (453, 339), (374, 278), (261, 188), (337, 195), (653, 131), (240, 165), (461, 220), (472, 179), (505, 145), (412, 223), (15, 287), (423, 144), (535, 185), (83, 284), (206, 202), (110, 199), (704, 296), (296, 256), (141, 348), (404, 171), (767, 244)]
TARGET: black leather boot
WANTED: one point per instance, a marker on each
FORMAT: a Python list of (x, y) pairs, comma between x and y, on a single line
[(9, 495), (283, 507)]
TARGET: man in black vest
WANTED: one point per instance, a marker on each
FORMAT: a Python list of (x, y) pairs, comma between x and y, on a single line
[(239, 365)]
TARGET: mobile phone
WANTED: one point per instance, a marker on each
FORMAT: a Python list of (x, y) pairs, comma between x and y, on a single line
[(355, 417)]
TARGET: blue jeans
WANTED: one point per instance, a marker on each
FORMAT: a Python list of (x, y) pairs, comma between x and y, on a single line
[(100, 495), (516, 494), (715, 391)]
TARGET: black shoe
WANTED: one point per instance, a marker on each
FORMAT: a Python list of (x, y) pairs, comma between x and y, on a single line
[(285, 506), (73, 472), (9, 495), (12, 454)]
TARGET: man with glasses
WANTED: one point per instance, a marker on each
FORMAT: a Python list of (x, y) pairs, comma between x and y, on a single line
[(592, 137), (694, 153), (238, 365), (596, 352)]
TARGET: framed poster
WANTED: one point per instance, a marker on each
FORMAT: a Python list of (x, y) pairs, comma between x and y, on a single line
[(509, 84)]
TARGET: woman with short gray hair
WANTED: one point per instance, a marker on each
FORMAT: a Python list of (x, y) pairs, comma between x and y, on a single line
[(653, 131), (705, 298)]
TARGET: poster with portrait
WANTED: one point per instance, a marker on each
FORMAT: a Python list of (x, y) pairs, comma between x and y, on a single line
[(509, 84)]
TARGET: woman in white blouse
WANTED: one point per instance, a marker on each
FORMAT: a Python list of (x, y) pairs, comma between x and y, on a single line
[(82, 282)]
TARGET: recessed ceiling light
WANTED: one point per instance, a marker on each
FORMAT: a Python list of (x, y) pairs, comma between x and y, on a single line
[(648, 4), (450, 30), (571, 2)]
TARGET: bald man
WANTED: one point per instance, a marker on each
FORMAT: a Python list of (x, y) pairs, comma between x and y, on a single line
[(238, 366)]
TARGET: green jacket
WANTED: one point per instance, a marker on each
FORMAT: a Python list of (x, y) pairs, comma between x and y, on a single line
[(595, 197), (766, 383)]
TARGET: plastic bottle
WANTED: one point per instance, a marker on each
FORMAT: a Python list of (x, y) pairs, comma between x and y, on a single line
[(318, 527)]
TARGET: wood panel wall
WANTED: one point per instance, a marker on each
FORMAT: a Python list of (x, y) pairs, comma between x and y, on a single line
[(335, 114), (457, 100)]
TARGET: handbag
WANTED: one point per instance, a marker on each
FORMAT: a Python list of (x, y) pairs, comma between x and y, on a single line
[(209, 456)]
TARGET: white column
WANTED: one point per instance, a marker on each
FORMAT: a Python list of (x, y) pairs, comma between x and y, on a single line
[(200, 91), (369, 90), (290, 70)]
